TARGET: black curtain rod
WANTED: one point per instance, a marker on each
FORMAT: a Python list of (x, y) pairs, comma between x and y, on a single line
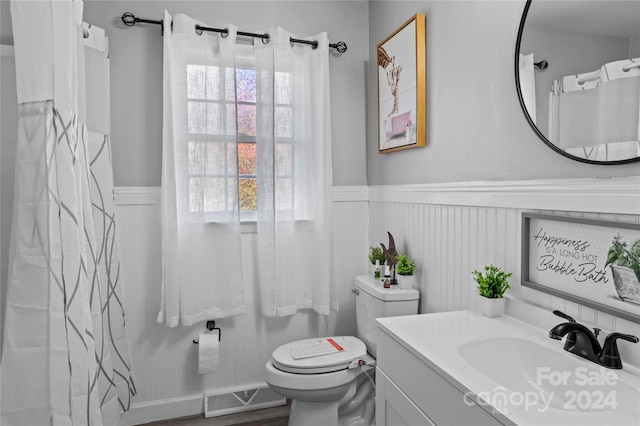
[(130, 20)]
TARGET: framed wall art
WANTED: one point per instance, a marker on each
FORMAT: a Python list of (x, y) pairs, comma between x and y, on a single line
[(591, 262), (402, 87)]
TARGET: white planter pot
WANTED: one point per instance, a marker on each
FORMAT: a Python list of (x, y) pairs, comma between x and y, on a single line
[(405, 281), (491, 307)]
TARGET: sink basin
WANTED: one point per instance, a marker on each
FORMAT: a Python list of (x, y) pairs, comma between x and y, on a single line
[(530, 373)]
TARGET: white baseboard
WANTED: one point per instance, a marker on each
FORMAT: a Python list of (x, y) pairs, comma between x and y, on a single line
[(172, 408), (162, 409)]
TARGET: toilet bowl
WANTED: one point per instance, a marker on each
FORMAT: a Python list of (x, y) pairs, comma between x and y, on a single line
[(332, 389), (330, 380)]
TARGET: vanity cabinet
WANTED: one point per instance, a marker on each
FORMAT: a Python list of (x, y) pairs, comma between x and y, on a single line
[(410, 392)]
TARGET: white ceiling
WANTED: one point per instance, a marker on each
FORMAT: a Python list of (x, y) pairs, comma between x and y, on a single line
[(616, 18)]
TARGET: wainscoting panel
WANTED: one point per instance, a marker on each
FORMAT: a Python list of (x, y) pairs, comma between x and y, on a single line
[(450, 241), (165, 361)]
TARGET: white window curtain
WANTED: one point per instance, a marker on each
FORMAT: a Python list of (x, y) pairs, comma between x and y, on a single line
[(294, 175), (65, 357), (201, 264)]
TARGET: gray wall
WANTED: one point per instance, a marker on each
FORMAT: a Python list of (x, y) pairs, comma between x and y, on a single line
[(475, 128), (136, 73), (634, 47)]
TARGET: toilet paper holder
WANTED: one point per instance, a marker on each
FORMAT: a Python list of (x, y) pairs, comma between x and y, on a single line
[(211, 325)]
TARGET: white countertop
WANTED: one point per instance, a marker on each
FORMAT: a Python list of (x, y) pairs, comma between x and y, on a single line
[(435, 338)]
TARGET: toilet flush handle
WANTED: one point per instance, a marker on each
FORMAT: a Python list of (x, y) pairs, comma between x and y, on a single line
[(355, 291)]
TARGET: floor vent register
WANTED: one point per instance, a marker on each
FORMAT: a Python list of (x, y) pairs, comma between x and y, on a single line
[(220, 404)]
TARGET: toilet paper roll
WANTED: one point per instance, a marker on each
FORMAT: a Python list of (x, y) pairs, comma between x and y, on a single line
[(208, 353)]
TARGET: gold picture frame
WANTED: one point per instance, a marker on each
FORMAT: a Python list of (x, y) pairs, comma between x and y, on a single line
[(402, 87)]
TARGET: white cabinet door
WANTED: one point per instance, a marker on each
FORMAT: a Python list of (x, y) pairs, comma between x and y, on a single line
[(394, 408), (431, 393)]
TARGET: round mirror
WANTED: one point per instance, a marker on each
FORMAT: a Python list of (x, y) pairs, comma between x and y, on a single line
[(577, 70)]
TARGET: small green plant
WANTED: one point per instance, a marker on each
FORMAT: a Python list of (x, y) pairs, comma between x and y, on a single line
[(375, 253), (493, 282), (404, 265), (620, 255)]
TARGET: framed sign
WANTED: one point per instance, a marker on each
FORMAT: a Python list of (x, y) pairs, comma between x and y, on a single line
[(590, 262), (402, 87)]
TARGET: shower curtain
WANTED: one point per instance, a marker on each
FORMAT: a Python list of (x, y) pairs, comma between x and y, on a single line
[(65, 357), (596, 115)]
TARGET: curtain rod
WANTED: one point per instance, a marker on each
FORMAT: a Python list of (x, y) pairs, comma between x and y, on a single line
[(130, 20), (542, 65)]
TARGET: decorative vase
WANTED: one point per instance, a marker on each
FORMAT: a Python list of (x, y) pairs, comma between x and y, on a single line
[(405, 281), (491, 307)]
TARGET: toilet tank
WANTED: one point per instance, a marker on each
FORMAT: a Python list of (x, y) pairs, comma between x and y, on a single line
[(374, 301)]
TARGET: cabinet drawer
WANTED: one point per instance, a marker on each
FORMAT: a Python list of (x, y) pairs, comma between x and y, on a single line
[(442, 402)]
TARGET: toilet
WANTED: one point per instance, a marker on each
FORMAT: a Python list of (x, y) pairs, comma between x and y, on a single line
[(330, 380)]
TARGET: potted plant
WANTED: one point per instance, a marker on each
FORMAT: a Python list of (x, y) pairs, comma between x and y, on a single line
[(375, 253), (405, 269), (492, 283), (625, 268)]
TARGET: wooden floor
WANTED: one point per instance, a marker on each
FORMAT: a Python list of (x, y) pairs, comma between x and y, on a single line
[(275, 416)]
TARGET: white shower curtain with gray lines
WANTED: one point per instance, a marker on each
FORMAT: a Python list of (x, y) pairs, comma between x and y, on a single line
[(65, 357)]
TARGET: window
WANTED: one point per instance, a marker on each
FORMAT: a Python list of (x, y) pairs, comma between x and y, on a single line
[(215, 120), (221, 117), (247, 152)]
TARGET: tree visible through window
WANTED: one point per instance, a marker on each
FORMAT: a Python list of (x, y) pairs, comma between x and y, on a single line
[(246, 118)]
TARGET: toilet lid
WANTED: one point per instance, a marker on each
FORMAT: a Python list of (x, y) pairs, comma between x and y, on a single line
[(321, 355)]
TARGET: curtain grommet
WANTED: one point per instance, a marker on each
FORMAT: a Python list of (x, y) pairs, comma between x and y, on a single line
[(266, 38), (198, 30)]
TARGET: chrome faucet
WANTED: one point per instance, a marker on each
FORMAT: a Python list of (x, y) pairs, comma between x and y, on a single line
[(583, 342)]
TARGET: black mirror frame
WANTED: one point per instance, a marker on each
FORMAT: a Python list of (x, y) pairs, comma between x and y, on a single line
[(526, 113)]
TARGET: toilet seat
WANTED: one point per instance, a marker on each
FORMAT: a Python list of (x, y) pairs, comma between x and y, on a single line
[(353, 348)]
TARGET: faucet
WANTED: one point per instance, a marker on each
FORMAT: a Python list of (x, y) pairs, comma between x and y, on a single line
[(609, 356), (570, 340), (583, 342)]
